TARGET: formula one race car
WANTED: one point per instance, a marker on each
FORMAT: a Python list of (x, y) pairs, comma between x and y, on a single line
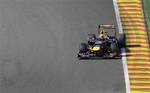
[(103, 45)]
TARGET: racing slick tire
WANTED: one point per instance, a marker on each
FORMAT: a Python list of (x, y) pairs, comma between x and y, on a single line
[(113, 47), (83, 48), (114, 52), (121, 41)]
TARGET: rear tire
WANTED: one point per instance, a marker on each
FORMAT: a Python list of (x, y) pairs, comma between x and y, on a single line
[(121, 41), (113, 47), (114, 52)]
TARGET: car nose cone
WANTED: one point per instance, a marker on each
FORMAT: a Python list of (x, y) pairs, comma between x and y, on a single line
[(98, 42)]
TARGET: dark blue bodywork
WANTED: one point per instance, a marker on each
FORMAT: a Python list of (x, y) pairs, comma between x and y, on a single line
[(105, 45)]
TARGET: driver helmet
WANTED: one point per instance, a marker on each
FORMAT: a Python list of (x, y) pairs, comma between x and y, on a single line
[(103, 34)]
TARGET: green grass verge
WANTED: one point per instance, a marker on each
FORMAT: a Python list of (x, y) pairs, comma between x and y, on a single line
[(147, 14)]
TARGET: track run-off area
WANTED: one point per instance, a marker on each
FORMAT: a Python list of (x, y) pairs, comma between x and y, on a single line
[(137, 45)]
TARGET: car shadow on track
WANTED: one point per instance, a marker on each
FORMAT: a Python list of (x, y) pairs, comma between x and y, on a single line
[(129, 51)]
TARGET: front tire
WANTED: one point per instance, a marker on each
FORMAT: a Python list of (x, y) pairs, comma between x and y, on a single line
[(83, 48)]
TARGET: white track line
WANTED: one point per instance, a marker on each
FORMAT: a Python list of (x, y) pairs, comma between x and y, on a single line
[(124, 59)]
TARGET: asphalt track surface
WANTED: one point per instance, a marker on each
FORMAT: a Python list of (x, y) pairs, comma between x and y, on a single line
[(39, 40)]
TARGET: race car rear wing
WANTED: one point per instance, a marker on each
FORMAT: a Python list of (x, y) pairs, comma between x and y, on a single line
[(107, 26)]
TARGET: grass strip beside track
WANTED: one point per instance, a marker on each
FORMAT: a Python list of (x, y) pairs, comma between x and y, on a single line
[(147, 14)]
